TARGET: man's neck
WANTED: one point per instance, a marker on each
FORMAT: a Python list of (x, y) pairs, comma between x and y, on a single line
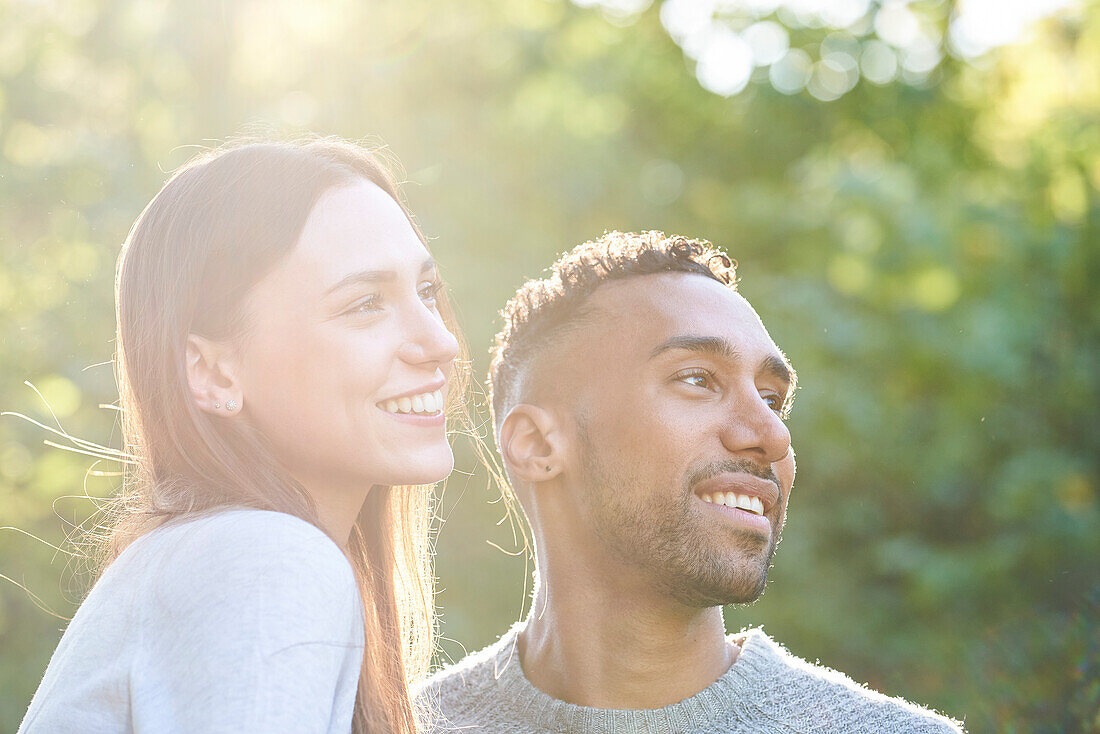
[(615, 647)]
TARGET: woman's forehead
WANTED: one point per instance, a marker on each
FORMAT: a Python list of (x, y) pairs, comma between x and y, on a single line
[(357, 227)]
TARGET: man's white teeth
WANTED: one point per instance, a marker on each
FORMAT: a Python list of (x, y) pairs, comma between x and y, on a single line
[(427, 403), (731, 499)]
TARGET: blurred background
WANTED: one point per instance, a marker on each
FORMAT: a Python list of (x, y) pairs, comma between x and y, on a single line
[(911, 189)]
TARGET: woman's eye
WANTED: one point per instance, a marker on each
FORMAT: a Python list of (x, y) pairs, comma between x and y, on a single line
[(428, 290), (370, 304)]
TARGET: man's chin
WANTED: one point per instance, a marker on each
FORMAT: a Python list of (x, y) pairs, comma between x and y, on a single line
[(742, 584), (739, 578), (746, 591), (744, 596)]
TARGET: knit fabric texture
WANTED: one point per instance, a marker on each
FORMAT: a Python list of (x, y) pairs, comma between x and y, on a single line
[(244, 621), (767, 689)]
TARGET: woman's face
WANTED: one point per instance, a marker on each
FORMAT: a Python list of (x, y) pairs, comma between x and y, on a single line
[(346, 358)]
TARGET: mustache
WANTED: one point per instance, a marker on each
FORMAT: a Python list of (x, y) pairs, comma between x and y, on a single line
[(732, 466)]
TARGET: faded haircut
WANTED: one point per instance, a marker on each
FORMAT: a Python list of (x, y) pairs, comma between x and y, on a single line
[(545, 309)]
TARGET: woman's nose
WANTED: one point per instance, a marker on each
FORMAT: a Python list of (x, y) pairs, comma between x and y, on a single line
[(429, 341)]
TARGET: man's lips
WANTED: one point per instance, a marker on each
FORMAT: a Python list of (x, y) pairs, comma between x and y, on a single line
[(765, 490)]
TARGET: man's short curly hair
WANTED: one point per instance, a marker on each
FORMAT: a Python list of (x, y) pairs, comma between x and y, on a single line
[(544, 309)]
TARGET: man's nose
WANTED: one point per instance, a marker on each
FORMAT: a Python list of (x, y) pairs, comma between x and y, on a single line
[(754, 430)]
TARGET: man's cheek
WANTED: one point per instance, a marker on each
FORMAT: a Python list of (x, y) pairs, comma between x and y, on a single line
[(785, 471)]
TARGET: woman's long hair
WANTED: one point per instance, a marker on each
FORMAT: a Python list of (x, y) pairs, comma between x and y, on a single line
[(219, 225)]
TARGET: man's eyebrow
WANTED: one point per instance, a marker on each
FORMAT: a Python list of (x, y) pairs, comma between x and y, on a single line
[(780, 369), (773, 364), (714, 345), (373, 276)]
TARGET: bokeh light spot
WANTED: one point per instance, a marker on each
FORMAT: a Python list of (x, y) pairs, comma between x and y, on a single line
[(726, 64), (1069, 197), (896, 24), (16, 462), (833, 76), (878, 62), (78, 261), (31, 146), (791, 73), (769, 42), (848, 274), (60, 393), (935, 289), (685, 18), (860, 232), (56, 473), (1076, 493)]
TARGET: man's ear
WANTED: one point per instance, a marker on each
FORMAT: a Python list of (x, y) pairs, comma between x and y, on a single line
[(212, 376), (530, 443)]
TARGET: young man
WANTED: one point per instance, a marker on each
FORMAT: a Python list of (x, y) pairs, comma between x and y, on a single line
[(638, 404)]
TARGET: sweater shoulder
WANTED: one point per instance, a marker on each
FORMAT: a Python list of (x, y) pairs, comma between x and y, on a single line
[(823, 699), (235, 560), (459, 691), (239, 528), (245, 539)]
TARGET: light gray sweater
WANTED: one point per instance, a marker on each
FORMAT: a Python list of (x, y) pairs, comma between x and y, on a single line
[(767, 689), (245, 621)]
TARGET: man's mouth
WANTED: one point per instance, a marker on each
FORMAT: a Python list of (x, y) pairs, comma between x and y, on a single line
[(731, 499), (740, 490), (427, 403)]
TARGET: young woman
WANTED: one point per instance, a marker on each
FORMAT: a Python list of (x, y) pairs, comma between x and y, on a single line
[(284, 362)]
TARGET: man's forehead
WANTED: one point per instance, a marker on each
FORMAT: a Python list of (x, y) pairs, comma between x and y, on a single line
[(639, 313)]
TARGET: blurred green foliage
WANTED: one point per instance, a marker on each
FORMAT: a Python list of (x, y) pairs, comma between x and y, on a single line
[(925, 250)]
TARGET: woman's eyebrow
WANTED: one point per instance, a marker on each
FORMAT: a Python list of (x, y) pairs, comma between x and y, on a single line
[(373, 276)]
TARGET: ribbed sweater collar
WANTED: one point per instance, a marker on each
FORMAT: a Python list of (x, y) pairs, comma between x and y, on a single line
[(758, 661)]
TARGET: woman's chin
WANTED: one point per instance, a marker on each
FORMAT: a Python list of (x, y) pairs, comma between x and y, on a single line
[(423, 467)]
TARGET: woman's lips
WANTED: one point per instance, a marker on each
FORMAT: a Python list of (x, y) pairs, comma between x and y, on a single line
[(439, 418), (427, 402)]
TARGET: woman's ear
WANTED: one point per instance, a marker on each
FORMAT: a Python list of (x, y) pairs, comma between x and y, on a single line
[(212, 376), (529, 443)]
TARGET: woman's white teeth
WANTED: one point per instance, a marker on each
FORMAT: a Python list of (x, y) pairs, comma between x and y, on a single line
[(425, 403), (731, 499)]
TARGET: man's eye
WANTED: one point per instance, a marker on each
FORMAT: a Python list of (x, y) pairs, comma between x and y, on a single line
[(779, 404), (428, 290), (368, 305), (696, 378)]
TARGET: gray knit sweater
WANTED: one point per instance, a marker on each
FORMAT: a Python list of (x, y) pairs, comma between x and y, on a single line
[(767, 689)]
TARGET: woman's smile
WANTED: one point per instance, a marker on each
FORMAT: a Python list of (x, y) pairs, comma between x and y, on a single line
[(423, 406)]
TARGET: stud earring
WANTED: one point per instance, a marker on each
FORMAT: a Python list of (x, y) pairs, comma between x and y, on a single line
[(217, 405), (230, 404), (548, 469)]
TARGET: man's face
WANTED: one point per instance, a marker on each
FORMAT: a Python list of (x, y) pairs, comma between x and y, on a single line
[(677, 392)]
